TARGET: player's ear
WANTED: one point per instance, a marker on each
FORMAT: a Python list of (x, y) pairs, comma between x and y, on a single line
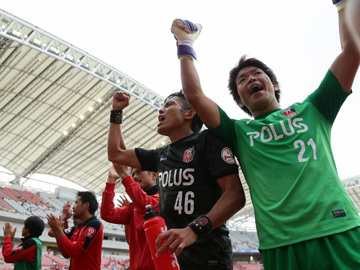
[(240, 103), (276, 87), (153, 175), (87, 205), (189, 114)]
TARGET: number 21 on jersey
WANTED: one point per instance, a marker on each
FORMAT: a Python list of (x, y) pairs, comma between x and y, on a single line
[(301, 144)]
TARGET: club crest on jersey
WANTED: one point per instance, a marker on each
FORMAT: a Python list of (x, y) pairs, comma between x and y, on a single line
[(289, 112), (189, 155), (227, 155), (68, 230), (90, 232)]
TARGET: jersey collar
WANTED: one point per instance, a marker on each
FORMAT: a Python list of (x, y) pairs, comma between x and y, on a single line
[(152, 191)]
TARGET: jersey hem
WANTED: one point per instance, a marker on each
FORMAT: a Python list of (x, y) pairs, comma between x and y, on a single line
[(313, 236)]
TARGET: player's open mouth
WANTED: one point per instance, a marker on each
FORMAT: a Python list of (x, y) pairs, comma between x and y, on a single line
[(161, 118), (255, 88)]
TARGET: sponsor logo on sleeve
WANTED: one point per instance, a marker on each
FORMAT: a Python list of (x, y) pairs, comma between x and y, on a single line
[(339, 213), (18, 249), (289, 112), (189, 155), (90, 232), (67, 231), (227, 155)]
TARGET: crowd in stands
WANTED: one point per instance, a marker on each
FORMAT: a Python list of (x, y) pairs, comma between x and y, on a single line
[(28, 203), (57, 262), (246, 265), (244, 244), (114, 263), (244, 240)]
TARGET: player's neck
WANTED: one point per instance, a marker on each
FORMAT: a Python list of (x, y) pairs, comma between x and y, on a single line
[(85, 217), (269, 108), (179, 134)]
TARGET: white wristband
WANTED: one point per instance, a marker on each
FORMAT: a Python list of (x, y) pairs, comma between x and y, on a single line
[(341, 4)]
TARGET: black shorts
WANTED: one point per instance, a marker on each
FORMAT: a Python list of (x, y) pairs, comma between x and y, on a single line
[(210, 252)]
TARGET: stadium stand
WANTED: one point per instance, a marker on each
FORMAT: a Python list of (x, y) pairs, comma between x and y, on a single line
[(244, 265), (45, 261), (5, 206), (115, 248), (30, 197), (10, 193)]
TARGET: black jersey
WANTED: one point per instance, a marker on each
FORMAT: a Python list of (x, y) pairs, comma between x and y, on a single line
[(188, 170)]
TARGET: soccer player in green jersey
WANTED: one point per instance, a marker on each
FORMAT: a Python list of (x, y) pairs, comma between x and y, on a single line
[(304, 217)]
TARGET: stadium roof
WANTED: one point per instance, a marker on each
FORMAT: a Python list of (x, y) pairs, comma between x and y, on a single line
[(47, 87)]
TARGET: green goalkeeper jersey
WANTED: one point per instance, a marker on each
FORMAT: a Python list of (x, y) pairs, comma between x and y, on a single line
[(288, 164)]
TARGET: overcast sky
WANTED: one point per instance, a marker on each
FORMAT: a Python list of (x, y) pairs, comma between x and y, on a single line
[(298, 40)]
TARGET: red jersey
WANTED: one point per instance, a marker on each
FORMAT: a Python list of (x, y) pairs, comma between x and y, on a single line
[(26, 251), (86, 238), (132, 215)]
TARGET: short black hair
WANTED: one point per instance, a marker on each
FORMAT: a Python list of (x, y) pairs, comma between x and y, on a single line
[(250, 62), (196, 124), (88, 196), (35, 225), (131, 170)]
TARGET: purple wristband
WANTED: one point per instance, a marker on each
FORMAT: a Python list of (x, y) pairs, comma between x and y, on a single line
[(186, 50)]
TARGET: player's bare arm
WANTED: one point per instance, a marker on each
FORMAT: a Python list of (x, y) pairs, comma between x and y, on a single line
[(121, 170), (117, 152), (231, 201), (353, 19), (347, 63), (206, 108)]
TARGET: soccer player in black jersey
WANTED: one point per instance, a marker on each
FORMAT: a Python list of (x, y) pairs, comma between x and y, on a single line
[(198, 182)]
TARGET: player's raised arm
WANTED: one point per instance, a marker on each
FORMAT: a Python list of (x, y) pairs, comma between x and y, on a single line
[(185, 32), (117, 152), (353, 19), (347, 63)]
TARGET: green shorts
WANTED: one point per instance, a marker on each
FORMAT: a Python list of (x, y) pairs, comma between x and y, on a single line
[(334, 252)]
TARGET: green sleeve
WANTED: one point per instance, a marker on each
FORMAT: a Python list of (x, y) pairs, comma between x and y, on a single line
[(329, 97), (226, 130)]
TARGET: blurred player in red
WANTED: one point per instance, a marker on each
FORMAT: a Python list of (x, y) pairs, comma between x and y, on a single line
[(86, 238), (28, 254), (142, 190)]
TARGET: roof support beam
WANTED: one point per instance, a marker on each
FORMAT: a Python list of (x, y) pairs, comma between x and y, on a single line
[(31, 36)]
